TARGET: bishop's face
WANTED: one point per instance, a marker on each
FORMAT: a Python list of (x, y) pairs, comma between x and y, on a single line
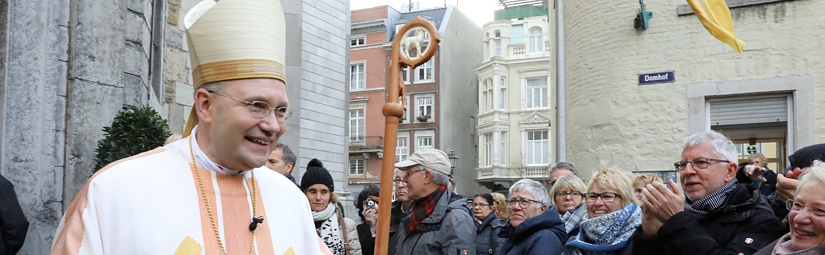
[(237, 138)]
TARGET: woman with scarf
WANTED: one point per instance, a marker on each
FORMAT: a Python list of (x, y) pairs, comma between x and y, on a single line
[(613, 216), (806, 217), (488, 225), (338, 233), (568, 194)]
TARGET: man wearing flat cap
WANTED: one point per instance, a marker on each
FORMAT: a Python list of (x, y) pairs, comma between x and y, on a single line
[(439, 222), (207, 192)]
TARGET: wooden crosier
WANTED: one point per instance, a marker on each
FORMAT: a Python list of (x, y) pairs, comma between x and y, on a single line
[(410, 37)]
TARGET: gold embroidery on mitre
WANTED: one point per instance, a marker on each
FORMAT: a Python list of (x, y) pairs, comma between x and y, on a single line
[(189, 247), (237, 69), (289, 251)]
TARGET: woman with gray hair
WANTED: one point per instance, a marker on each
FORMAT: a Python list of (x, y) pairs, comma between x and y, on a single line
[(568, 194), (806, 218), (535, 226)]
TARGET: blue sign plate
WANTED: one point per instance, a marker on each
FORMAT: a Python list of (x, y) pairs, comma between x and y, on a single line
[(652, 78)]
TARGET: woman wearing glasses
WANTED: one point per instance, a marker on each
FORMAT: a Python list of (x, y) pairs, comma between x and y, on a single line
[(488, 225), (613, 216), (535, 226), (568, 194), (806, 217)]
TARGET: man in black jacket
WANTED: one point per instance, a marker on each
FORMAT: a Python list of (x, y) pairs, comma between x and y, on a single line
[(711, 213), (12, 221)]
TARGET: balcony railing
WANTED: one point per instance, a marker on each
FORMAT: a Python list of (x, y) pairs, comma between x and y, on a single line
[(517, 50), (522, 172), (366, 143)]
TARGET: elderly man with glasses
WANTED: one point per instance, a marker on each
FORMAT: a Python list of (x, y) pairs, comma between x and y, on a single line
[(710, 213), (439, 221)]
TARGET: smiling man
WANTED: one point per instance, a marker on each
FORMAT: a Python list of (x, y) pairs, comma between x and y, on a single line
[(711, 213), (200, 194)]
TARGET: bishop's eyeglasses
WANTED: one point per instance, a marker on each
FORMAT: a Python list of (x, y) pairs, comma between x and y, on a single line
[(261, 109)]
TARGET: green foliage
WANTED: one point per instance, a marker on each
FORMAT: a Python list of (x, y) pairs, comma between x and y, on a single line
[(133, 131)]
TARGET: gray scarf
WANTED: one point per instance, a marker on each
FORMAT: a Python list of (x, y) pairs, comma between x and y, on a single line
[(702, 207)]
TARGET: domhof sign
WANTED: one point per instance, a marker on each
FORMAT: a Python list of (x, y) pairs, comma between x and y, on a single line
[(651, 78)]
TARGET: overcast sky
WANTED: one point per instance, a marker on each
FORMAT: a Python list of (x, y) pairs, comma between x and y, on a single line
[(480, 11)]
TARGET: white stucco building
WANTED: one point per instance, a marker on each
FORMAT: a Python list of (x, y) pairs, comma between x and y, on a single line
[(515, 92)]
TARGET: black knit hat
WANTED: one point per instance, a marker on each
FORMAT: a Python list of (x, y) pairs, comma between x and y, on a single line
[(316, 174), (805, 157)]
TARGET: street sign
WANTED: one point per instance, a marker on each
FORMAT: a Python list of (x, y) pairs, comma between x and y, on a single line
[(652, 78)]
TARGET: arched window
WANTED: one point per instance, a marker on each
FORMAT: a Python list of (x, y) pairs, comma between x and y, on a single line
[(534, 40)]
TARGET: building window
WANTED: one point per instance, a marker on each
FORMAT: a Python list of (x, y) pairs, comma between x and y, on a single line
[(357, 76), (406, 102), (402, 149), (424, 72), (488, 149), (356, 125), (536, 93), (536, 147), (425, 106), (497, 47), (534, 39), (405, 75), (502, 150), (356, 166), (424, 142), (487, 95), (502, 102), (358, 41)]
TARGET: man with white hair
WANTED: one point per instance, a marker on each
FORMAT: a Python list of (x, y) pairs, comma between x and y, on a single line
[(710, 213), (535, 226), (439, 221)]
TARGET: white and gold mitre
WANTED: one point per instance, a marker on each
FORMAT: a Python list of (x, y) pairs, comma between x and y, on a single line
[(236, 39)]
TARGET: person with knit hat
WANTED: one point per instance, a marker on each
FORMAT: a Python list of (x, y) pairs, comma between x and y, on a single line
[(439, 222), (207, 193), (338, 233)]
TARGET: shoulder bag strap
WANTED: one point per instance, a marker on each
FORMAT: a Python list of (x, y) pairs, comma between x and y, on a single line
[(343, 227)]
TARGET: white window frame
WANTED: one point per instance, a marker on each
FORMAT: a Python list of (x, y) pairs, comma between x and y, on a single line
[(488, 149), (531, 145), (502, 93), (359, 40), (424, 139), (407, 109), (422, 70), (405, 75), (402, 152), (502, 153), (497, 47), (529, 91), (421, 108), (357, 125), (487, 94), (358, 77), (356, 166), (534, 44)]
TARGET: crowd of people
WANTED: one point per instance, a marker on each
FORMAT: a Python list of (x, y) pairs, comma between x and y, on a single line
[(717, 207)]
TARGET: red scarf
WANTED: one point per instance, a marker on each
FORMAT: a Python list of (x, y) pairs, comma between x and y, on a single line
[(426, 207)]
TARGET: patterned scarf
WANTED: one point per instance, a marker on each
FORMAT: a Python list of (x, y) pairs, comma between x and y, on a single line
[(425, 207), (606, 234), (572, 218), (330, 231), (700, 208)]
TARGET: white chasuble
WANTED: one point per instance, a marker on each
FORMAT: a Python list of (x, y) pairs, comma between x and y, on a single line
[(151, 204)]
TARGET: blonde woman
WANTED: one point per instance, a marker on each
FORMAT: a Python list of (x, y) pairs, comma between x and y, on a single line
[(613, 216), (644, 179), (501, 206), (567, 195)]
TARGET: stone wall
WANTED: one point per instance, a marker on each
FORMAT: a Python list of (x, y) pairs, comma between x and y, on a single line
[(71, 66), (615, 121)]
